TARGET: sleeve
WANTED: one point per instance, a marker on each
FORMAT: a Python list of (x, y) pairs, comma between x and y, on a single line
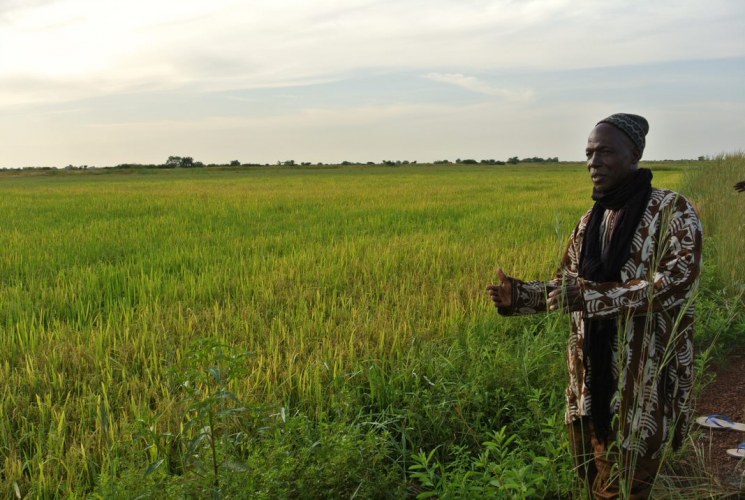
[(530, 297), (672, 275)]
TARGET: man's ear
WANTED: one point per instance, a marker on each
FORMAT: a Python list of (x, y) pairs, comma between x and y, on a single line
[(636, 155)]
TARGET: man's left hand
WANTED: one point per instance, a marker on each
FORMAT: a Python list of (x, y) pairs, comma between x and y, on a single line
[(568, 298)]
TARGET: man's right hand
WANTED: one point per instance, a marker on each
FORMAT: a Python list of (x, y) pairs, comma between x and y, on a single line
[(501, 294)]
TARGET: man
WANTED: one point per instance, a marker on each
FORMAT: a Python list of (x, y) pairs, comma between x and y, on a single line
[(628, 278)]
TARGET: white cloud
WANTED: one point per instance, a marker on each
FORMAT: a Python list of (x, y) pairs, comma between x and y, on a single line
[(498, 51), (225, 44), (473, 84)]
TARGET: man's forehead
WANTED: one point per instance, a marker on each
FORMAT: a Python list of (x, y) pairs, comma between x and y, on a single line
[(604, 133)]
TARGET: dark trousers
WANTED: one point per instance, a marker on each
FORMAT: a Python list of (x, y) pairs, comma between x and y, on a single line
[(607, 472)]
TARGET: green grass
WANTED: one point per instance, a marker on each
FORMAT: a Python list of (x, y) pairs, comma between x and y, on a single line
[(721, 209), (357, 293)]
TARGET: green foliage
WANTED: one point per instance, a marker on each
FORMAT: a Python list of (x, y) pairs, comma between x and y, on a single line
[(290, 456), (359, 293), (212, 427), (528, 456), (720, 312), (505, 467), (182, 162), (219, 451), (711, 187), (720, 316)]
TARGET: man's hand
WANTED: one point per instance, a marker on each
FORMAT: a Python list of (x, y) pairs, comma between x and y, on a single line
[(740, 187), (568, 297), (501, 294)]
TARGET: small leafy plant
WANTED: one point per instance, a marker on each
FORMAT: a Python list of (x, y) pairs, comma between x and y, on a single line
[(210, 433)]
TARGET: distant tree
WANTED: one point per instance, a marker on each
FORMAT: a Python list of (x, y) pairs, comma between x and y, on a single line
[(235, 163), (182, 162), (288, 163), (535, 159), (514, 160), (173, 161)]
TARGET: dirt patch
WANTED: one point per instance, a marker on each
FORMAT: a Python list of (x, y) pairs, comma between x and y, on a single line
[(725, 396)]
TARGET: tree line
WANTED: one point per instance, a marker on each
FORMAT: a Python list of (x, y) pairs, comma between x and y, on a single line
[(190, 162)]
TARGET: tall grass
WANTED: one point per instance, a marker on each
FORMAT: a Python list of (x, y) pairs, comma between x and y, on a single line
[(721, 208), (358, 294), (720, 313)]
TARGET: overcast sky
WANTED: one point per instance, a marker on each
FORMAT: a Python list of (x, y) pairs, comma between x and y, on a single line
[(103, 82)]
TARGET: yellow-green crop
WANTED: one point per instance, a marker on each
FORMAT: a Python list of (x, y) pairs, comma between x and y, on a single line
[(323, 275)]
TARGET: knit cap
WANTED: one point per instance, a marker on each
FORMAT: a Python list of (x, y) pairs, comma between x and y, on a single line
[(634, 126)]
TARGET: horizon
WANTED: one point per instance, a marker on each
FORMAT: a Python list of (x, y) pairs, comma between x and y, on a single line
[(549, 161)]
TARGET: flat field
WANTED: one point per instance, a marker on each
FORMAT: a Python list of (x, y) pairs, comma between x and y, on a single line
[(278, 331)]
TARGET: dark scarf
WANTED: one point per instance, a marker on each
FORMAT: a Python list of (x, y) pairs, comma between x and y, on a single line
[(604, 266)]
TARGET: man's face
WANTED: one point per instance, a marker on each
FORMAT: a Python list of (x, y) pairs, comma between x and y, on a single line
[(611, 157)]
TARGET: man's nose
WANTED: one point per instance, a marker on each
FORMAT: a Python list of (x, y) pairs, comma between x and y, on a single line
[(592, 160)]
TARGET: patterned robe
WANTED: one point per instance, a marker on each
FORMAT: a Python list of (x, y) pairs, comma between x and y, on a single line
[(653, 303)]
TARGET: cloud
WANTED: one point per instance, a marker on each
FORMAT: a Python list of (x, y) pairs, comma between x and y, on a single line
[(473, 84), (227, 44), (412, 67)]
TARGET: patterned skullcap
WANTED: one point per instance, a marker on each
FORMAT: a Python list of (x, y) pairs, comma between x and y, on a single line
[(634, 126)]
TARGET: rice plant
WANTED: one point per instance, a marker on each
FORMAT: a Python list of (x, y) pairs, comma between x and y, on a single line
[(357, 291)]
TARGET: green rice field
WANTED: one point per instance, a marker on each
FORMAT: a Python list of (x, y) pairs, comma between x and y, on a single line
[(299, 332)]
